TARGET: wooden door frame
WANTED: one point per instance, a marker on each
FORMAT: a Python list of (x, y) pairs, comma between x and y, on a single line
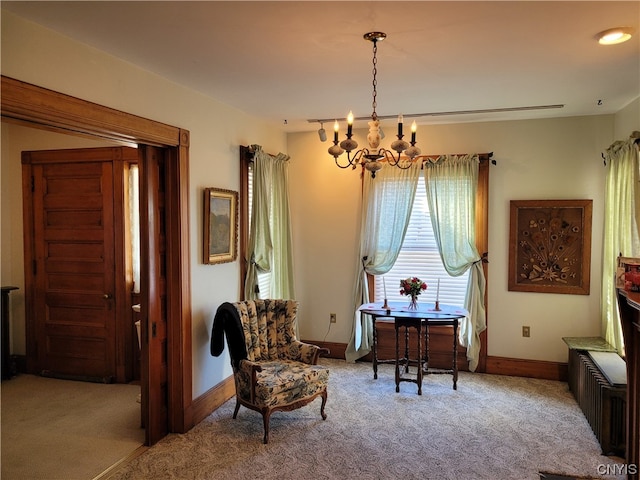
[(38, 107)]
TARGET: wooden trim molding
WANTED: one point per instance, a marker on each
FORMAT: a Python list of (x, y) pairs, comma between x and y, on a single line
[(518, 367), (482, 244), (212, 399), (336, 350), (495, 365), (46, 109), (37, 105), (246, 157)]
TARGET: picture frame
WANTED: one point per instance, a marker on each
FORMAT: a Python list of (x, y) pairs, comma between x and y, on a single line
[(550, 246), (220, 244)]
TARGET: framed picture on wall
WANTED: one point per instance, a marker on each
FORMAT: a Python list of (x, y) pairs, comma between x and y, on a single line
[(220, 225), (550, 246)]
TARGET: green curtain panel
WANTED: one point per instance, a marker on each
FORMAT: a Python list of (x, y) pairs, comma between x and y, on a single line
[(451, 184), (621, 209), (387, 201)]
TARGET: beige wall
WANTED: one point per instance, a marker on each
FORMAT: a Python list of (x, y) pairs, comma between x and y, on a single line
[(537, 159), (627, 120), (541, 159), (37, 55)]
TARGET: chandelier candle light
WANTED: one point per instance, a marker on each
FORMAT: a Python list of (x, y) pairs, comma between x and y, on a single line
[(370, 157)]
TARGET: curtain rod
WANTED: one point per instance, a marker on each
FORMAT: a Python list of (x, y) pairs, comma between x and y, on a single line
[(483, 157), (635, 135), (249, 152)]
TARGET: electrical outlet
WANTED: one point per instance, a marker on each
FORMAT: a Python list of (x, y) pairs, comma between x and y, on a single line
[(526, 331), (332, 318)]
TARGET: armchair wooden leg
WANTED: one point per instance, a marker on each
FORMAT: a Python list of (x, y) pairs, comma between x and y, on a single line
[(265, 420), (324, 402), (235, 412)]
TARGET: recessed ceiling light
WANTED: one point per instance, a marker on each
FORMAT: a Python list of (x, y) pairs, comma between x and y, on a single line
[(615, 35)]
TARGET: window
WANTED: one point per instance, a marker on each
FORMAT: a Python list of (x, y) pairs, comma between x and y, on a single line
[(419, 257)]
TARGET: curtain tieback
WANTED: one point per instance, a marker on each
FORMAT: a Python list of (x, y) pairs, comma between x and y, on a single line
[(484, 258)]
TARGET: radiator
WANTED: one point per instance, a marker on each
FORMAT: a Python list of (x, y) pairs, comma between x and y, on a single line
[(603, 404)]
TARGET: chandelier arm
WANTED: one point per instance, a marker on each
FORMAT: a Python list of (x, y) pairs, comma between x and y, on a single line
[(351, 161), (391, 158), (395, 162), (357, 158), (342, 166), (408, 165)]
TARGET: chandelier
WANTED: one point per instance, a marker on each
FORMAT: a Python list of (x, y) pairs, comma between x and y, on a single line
[(370, 157)]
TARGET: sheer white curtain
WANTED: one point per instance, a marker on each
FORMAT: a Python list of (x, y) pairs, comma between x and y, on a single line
[(622, 209), (451, 184), (270, 225), (387, 201)]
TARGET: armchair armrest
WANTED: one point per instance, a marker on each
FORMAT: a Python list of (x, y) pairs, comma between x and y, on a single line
[(248, 370), (306, 352), (249, 367)]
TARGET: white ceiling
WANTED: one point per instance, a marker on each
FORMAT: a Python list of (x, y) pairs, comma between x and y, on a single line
[(294, 61)]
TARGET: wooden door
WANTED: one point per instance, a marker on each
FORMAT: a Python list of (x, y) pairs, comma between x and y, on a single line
[(70, 235), (154, 298)]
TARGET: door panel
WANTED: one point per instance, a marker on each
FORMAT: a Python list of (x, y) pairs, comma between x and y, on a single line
[(74, 267)]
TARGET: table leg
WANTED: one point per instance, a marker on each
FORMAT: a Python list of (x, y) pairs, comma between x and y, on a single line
[(397, 358), (406, 349), (419, 329), (426, 344), (375, 345), (455, 355)]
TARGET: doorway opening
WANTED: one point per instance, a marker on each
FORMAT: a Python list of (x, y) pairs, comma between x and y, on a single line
[(164, 150)]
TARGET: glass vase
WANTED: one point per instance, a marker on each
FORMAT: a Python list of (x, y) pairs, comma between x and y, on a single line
[(413, 304)]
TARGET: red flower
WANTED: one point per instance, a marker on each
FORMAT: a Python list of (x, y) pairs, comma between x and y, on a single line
[(412, 286)]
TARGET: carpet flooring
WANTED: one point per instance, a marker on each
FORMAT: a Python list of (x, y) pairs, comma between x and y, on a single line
[(66, 430), (492, 427)]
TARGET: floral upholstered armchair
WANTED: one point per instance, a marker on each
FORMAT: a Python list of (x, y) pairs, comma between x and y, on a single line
[(273, 371)]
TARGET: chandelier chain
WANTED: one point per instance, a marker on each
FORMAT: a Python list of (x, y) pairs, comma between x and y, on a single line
[(374, 104), (371, 158)]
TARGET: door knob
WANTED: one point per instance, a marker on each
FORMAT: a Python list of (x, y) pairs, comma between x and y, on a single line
[(106, 296)]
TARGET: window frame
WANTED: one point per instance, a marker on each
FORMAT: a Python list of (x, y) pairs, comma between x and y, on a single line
[(246, 159), (482, 244)]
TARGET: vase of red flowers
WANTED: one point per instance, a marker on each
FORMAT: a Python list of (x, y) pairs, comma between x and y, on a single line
[(412, 287)]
